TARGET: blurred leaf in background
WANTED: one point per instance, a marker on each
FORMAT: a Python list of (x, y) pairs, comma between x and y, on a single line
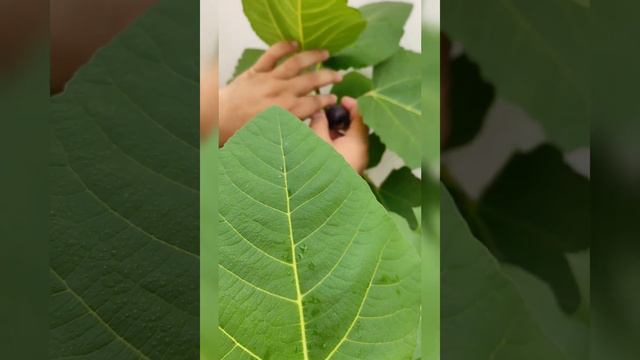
[(379, 40), (470, 96), (535, 53), (483, 315), (533, 214)]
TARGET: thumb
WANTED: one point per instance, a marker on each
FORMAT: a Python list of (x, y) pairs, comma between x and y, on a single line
[(320, 125), (357, 129)]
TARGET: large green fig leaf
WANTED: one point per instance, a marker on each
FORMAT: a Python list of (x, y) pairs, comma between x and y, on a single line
[(393, 108), (483, 315), (379, 40), (314, 24), (311, 265), (124, 196), (536, 53)]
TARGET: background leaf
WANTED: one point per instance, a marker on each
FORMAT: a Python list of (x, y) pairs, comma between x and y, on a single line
[(393, 108), (376, 150), (524, 221), (124, 196), (314, 24), (483, 316), (400, 193), (353, 84), (248, 58), (310, 261), (379, 40), (545, 44), (532, 226), (470, 96)]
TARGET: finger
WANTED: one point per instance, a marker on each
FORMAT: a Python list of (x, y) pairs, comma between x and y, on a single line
[(351, 105), (270, 58), (357, 128), (320, 125), (299, 62), (208, 101), (306, 83), (308, 105)]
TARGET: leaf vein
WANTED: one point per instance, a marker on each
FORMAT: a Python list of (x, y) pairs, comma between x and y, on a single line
[(255, 286), (97, 317)]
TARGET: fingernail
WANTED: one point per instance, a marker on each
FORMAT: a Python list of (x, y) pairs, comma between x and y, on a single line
[(338, 77), (325, 54)]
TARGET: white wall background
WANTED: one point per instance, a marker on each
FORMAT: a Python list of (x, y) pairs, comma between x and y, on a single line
[(208, 32)]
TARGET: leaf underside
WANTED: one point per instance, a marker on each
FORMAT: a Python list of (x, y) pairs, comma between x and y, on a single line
[(314, 24), (124, 195), (311, 265), (393, 108)]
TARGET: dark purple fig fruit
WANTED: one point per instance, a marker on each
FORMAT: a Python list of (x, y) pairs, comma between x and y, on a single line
[(338, 117)]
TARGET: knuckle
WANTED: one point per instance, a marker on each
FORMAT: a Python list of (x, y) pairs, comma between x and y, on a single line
[(280, 46), (315, 78), (296, 62)]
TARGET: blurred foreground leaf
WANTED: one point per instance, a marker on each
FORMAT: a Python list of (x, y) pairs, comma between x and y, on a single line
[(483, 316), (124, 250)]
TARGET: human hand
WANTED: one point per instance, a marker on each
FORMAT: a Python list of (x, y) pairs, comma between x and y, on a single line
[(208, 100), (353, 144), (266, 84)]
